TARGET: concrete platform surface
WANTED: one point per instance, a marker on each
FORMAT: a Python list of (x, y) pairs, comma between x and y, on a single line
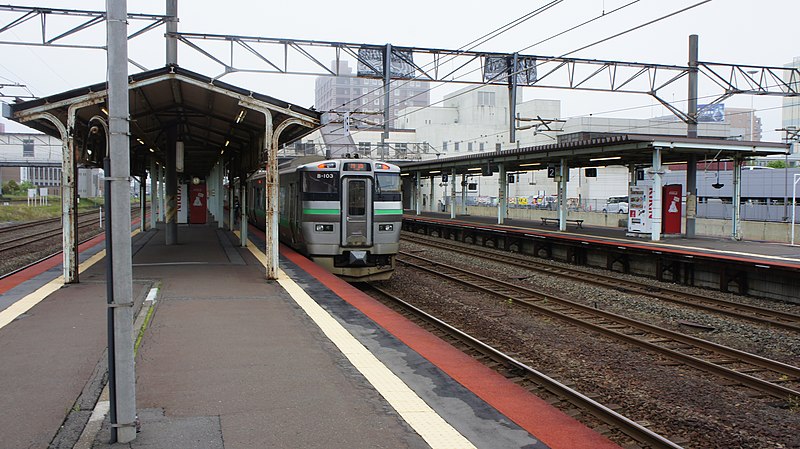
[(231, 360)]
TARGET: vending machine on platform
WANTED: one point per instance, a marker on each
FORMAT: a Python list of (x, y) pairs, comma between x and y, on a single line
[(640, 209), (671, 209)]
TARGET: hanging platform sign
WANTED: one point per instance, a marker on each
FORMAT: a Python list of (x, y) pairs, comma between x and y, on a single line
[(370, 63), (499, 68)]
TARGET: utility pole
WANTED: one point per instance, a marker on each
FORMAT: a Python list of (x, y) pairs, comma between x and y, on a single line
[(119, 180), (691, 131), (387, 79), (791, 137)]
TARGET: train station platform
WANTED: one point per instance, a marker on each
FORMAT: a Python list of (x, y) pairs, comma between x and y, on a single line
[(757, 268), (228, 359), (757, 251)]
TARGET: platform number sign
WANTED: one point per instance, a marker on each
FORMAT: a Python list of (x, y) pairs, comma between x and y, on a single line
[(551, 171)]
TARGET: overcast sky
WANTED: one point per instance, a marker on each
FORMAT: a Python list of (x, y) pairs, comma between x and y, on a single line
[(731, 31)]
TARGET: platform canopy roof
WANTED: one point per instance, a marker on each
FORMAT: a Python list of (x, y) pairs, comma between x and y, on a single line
[(622, 149), (213, 120)]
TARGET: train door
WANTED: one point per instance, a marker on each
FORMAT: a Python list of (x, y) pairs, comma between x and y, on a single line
[(294, 217), (356, 211)]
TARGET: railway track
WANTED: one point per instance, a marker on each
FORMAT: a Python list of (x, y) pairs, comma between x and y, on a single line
[(758, 373), (531, 379), (10, 242), (741, 311)]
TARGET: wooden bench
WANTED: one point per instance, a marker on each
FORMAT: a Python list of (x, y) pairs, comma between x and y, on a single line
[(548, 220)]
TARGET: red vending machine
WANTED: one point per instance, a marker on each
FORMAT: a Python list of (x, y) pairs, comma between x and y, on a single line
[(197, 204), (671, 209)]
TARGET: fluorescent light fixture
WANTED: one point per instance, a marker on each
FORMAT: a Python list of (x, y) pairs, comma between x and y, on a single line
[(612, 158), (179, 153), (241, 115), (433, 172), (403, 174), (152, 151), (227, 142), (105, 111), (532, 164), (140, 141), (474, 169)]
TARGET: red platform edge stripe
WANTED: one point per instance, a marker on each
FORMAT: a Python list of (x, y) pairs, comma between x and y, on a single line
[(540, 419), (19, 277)]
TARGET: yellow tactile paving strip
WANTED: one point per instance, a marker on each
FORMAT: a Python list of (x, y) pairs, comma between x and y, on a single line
[(424, 420), (23, 305)]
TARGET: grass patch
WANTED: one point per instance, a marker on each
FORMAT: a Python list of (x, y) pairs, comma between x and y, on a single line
[(17, 209)]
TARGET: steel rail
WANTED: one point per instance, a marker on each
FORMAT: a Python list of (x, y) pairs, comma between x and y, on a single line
[(39, 236), (627, 426), (42, 259), (610, 324), (744, 311)]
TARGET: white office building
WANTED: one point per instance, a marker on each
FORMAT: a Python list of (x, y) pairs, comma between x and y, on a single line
[(791, 107)]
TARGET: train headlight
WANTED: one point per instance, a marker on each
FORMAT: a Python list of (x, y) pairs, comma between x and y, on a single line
[(323, 228), (386, 227)]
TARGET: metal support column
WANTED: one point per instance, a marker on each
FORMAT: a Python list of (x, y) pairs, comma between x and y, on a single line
[(691, 130), (418, 191), (231, 202), (464, 194), (453, 193), (172, 27), (210, 199), (243, 208), (387, 79), (119, 179), (655, 231), (153, 194), (220, 187), (68, 220), (171, 191), (736, 228), (143, 203), (563, 171), (502, 202), (431, 199), (691, 195), (512, 99), (271, 193)]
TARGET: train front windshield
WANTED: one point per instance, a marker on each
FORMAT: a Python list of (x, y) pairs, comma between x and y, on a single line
[(387, 182), (320, 186)]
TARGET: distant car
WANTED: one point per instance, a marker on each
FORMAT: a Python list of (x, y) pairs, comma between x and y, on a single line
[(616, 205)]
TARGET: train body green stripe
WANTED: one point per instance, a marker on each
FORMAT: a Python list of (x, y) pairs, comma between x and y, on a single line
[(321, 211), (388, 211)]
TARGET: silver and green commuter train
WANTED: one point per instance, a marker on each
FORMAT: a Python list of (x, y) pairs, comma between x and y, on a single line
[(344, 214)]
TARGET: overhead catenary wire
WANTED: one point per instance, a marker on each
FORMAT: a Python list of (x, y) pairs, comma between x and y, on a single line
[(526, 17), (538, 64), (665, 123), (472, 45), (605, 14), (671, 14)]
